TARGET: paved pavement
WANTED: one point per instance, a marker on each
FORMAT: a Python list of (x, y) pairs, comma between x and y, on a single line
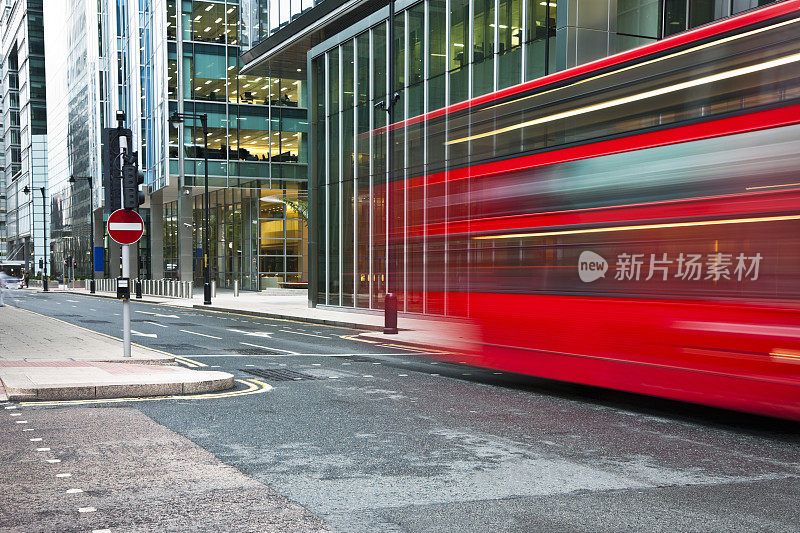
[(45, 358), (110, 469)]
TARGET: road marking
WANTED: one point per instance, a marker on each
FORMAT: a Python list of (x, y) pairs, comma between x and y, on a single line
[(37, 439), (65, 474), (73, 301), (368, 376), (86, 509), (268, 348), (28, 429), (12, 407), (74, 491), (254, 386), (156, 324), (192, 361), (140, 334), (22, 421), (53, 461), (16, 414), (306, 334), (42, 449), (201, 334), (403, 375), (101, 531), (262, 334), (185, 362), (157, 314)]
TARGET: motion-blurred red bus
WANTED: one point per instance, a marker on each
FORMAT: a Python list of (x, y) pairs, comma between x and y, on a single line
[(631, 223)]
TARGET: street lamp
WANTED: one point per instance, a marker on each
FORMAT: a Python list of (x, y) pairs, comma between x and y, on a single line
[(90, 181), (27, 190), (176, 118)]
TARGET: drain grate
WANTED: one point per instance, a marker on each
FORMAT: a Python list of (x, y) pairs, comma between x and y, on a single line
[(279, 374), (184, 347)]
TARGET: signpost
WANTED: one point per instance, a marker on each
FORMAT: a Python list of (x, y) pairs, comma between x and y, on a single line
[(126, 228)]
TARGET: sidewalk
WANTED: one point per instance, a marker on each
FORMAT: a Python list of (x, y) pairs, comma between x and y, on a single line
[(292, 304), (42, 358)]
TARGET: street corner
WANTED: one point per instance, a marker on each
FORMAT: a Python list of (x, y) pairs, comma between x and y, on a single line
[(81, 380)]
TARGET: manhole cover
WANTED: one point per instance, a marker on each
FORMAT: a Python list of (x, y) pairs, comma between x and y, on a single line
[(86, 321), (279, 374)]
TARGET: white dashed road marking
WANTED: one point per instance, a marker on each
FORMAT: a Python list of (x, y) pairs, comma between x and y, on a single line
[(65, 474), (53, 461), (74, 491), (86, 509), (157, 324), (42, 449), (201, 334)]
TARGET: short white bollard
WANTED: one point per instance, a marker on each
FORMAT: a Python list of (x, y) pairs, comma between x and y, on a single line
[(236, 287)]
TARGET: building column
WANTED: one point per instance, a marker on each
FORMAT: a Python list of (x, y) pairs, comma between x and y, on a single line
[(585, 30), (185, 242), (157, 235)]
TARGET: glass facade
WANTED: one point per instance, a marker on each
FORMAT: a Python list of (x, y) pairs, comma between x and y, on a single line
[(446, 52), (262, 18), (256, 149), (24, 118)]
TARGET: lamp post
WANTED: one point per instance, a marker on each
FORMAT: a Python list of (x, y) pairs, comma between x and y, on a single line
[(177, 118), (27, 190), (90, 181)]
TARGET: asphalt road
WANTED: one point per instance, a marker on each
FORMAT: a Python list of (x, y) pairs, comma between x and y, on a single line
[(374, 438)]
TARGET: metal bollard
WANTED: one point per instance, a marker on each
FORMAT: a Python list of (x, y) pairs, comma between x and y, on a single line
[(236, 287), (214, 289), (191, 290)]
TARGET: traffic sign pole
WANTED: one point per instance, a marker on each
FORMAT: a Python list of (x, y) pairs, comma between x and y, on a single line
[(126, 303), (126, 228)]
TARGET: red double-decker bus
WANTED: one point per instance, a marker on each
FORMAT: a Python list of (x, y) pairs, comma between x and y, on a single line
[(632, 223)]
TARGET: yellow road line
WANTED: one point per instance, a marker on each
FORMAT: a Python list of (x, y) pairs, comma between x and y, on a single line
[(254, 386), (189, 362), (185, 362)]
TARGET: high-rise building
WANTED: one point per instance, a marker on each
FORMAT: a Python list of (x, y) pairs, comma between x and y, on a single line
[(24, 112), (445, 53), (77, 93)]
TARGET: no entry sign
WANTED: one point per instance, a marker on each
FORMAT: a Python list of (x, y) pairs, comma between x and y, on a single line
[(125, 227)]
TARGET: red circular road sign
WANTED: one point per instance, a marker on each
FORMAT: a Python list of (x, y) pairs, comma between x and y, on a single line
[(125, 227)]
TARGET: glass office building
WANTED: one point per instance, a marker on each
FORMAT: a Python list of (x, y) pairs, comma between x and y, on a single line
[(24, 119), (256, 150)]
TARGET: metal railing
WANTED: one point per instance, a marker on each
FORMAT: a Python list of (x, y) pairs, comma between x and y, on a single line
[(153, 287)]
